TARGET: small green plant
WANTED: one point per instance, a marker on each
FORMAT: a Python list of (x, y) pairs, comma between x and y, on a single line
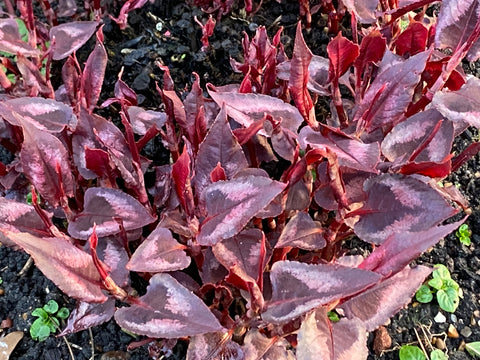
[(473, 349), (447, 290), (409, 352), (48, 320), (463, 234)]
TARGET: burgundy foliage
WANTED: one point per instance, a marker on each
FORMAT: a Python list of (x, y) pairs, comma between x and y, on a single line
[(245, 261)]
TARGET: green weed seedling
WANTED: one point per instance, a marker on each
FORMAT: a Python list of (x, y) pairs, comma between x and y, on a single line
[(409, 352), (48, 320), (473, 349), (463, 234), (447, 290)]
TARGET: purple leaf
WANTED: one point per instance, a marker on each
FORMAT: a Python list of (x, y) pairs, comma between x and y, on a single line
[(247, 108), (378, 304), (93, 74), (462, 106), (86, 316), (257, 346), (143, 120), (244, 250), (456, 21), (299, 287), (401, 248), (302, 232), (219, 147), (70, 268), (195, 114), (231, 204), (70, 37), (19, 217), (11, 41), (114, 255), (45, 114), (318, 339), (397, 204), (101, 207), (46, 164), (159, 252), (406, 137), (168, 310), (214, 346), (391, 92), (351, 153)]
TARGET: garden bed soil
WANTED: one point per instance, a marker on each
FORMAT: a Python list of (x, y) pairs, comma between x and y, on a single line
[(166, 32)]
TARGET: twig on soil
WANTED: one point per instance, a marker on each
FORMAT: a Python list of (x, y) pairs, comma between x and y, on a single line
[(420, 342), (91, 343), (26, 267), (69, 347)]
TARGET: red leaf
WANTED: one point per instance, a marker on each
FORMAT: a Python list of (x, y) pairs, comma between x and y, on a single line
[(341, 53), (398, 204), (195, 114), (231, 204), (302, 232), (299, 287), (33, 79), (218, 174), (98, 161), (11, 41), (70, 268), (45, 114), (219, 147), (244, 250), (46, 163), (93, 74), (258, 346), (318, 338), (460, 106), (406, 138), (214, 346), (168, 310), (101, 207), (71, 76), (207, 31), (401, 248), (456, 22), (351, 153), (159, 252), (299, 78), (70, 37), (247, 108), (379, 303), (143, 120), (20, 217), (389, 95), (86, 315), (372, 48), (182, 178), (412, 40)]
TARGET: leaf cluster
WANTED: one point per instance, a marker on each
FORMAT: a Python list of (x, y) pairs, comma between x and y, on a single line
[(409, 352), (446, 289), (463, 234), (242, 260), (48, 320)]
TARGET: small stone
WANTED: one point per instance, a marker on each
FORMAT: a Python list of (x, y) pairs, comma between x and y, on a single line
[(452, 332), (2, 291), (461, 347), (381, 341), (440, 344), (115, 355), (440, 318), (473, 322), (453, 317), (466, 332), (476, 313)]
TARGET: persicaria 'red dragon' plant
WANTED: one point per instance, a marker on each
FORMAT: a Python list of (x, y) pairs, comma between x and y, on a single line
[(244, 262)]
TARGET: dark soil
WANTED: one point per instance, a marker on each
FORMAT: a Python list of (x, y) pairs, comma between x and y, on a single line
[(137, 49)]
